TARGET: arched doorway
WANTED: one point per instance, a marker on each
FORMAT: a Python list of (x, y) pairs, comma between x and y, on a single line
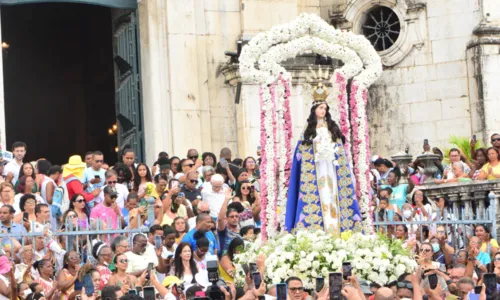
[(68, 78)]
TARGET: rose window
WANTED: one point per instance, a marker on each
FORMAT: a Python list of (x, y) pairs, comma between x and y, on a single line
[(381, 27)]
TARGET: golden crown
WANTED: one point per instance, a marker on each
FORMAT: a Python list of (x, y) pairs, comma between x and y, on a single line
[(316, 82)]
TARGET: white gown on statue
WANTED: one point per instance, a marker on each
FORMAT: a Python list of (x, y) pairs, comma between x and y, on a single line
[(326, 175)]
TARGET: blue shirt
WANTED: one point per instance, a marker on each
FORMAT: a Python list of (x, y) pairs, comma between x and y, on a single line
[(189, 238), (226, 236), (14, 228), (125, 215), (483, 258), (90, 174)]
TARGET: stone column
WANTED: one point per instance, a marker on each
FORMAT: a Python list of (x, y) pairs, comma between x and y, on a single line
[(483, 62), (155, 75)]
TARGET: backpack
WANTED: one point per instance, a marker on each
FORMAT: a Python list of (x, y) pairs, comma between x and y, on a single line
[(60, 199)]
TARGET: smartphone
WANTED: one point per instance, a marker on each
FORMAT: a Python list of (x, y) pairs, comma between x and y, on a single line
[(478, 289), (150, 267), (335, 285), (253, 267), (158, 242), (262, 297), (259, 148), (347, 268), (7, 155), (320, 283), (490, 281), (97, 177), (281, 291), (88, 285), (433, 281), (132, 292), (181, 195), (426, 142), (257, 279), (170, 256), (26, 216), (223, 162), (149, 292), (474, 137)]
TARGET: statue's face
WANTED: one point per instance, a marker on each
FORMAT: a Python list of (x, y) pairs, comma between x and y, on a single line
[(320, 111)]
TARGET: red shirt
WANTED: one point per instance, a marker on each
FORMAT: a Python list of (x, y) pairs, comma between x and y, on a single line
[(76, 187)]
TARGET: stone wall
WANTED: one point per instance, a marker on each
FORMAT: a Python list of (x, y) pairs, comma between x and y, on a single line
[(426, 95)]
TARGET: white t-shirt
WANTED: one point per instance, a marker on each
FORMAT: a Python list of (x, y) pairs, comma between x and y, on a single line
[(122, 191), (17, 201), (215, 200), (14, 168), (141, 262)]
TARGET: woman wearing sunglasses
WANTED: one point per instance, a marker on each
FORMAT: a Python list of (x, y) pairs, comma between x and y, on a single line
[(425, 257), (123, 280), (78, 205), (69, 274), (250, 199)]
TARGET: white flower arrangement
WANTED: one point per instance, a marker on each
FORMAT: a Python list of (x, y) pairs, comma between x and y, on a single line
[(308, 33), (315, 254)]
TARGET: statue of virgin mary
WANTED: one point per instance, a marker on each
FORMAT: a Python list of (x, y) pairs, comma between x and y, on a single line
[(321, 194)]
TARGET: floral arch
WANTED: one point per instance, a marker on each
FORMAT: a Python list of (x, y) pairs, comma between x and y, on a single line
[(260, 63)]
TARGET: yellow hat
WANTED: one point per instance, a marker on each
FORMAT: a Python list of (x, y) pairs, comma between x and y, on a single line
[(170, 280), (75, 166)]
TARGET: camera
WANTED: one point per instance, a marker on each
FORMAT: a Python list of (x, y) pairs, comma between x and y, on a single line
[(213, 291)]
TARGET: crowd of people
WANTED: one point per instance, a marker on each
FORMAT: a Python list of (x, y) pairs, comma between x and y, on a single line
[(195, 214)]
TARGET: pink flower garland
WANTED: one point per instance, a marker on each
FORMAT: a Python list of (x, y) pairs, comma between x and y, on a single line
[(355, 128), (274, 198), (344, 116), (287, 128), (263, 165)]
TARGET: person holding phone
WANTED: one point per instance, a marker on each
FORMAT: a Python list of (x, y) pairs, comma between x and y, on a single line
[(93, 176), (122, 279), (399, 191)]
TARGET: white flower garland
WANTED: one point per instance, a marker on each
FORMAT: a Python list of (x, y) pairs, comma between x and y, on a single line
[(310, 32)]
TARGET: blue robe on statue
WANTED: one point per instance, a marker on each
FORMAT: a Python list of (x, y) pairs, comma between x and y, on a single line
[(305, 208)]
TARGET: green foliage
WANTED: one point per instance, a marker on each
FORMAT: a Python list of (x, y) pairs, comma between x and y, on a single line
[(462, 143)]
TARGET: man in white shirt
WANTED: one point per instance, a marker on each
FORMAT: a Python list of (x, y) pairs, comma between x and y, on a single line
[(141, 256), (214, 196), (121, 189), (11, 170), (93, 177)]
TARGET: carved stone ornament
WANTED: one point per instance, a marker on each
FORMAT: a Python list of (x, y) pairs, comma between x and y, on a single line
[(393, 27)]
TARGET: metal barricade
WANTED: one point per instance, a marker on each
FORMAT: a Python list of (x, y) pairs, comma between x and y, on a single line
[(458, 220), (75, 237)]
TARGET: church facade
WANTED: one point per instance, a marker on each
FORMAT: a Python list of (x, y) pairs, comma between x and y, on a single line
[(441, 70)]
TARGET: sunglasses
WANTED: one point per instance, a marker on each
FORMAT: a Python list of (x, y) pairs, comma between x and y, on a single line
[(113, 197), (246, 188), (123, 261), (194, 158), (99, 161), (193, 181), (296, 289), (188, 165), (405, 285), (495, 140), (426, 250), (72, 216), (497, 258), (80, 200), (112, 182), (204, 211)]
